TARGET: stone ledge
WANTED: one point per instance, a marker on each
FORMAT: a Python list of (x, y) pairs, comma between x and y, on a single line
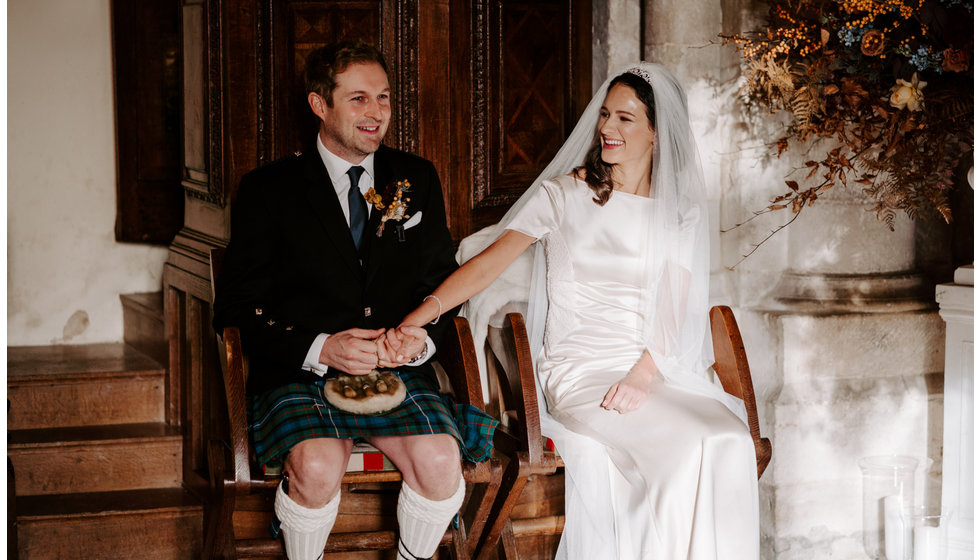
[(853, 293), (861, 345)]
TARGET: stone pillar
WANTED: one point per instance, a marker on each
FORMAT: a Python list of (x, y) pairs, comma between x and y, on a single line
[(859, 359), (956, 308), (616, 36)]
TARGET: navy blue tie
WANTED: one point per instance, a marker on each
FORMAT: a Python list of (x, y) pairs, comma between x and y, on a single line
[(358, 206)]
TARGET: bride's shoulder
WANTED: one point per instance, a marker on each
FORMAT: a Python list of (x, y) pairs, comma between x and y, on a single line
[(573, 180)]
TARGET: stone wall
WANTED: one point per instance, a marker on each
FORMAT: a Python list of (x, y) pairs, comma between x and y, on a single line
[(843, 336)]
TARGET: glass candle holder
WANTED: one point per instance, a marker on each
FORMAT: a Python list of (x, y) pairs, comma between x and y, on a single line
[(888, 489), (927, 533)]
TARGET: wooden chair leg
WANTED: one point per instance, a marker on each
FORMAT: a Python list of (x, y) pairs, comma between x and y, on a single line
[(478, 510), (515, 478), (12, 549), (219, 543), (218, 537), (508, 544), (458, 546)]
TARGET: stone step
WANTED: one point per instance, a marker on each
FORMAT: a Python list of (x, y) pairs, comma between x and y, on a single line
[(87, 385), (143, 324), (162, 523), (95, 458)]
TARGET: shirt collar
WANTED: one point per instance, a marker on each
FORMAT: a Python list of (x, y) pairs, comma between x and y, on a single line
[(337, 168)]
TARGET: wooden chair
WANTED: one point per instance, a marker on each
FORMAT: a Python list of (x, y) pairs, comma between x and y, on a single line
[(511, 375), (732, 368), (243, 496)]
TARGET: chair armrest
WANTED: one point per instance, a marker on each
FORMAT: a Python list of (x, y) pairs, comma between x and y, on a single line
[(457, 355), (234, 368), (509, 361), (732, 368)]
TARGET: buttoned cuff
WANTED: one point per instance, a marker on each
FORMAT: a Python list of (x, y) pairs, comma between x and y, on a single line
[(312, 362)]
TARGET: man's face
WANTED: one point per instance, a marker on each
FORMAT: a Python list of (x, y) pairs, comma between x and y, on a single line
[(358, 120)]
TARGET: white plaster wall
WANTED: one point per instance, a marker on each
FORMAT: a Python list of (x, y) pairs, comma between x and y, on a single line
[(65, 270)]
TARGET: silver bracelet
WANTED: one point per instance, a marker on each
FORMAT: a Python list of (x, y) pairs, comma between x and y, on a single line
[(439, 301), (420, 355)]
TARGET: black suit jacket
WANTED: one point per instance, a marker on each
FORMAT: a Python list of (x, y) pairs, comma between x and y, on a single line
[(291, 270)]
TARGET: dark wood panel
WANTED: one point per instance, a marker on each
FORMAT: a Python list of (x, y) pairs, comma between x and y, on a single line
[(195, 162), (174, 313), (221, 44), (236, 47), (528, 79), (434, 91), (300, 27), (528, 90), (193, 373), (146, 73)]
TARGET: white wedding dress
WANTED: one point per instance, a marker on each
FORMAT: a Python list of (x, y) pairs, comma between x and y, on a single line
[(682, 476)]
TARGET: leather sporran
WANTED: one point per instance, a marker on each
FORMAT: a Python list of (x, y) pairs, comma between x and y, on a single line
[(374, 393)]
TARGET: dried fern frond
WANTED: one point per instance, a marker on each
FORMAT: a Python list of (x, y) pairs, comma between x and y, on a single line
[(770, 82), (804, 104)]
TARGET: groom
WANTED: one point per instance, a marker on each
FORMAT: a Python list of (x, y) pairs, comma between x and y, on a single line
[(312, 277)]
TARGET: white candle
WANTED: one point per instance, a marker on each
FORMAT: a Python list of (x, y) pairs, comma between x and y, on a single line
[(927, 543), (894, 535)]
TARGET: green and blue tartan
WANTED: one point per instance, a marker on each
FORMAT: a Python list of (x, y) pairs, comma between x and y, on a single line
[(287, 415)]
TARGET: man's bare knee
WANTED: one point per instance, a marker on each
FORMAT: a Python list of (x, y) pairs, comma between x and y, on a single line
[(315, 468), (437, 466)]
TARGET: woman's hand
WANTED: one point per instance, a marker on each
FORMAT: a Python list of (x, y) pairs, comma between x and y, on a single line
[(400, 345), (631, 391)]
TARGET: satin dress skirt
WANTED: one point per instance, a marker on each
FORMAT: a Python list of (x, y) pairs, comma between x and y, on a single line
[(687, 486)]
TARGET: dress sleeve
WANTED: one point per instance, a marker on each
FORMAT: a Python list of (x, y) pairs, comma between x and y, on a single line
[(543, 212)]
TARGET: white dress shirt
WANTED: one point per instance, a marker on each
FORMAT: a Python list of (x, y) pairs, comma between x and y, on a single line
[(337, 169)]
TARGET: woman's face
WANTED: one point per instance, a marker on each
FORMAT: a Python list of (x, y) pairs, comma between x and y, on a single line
[(624, 128)]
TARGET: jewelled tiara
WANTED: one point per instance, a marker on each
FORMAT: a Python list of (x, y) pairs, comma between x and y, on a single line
[(637, 71)]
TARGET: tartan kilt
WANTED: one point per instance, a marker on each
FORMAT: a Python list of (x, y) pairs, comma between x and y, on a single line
[(285, 416)]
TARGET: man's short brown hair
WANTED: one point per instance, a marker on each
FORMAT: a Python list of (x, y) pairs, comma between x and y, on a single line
[(324, 63)]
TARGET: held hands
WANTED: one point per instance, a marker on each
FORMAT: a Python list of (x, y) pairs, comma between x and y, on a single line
[(358, 351), (400, 345), (354, 350), (631, 391)]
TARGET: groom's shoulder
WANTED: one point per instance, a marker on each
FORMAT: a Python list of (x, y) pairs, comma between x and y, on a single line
[(289, 165), (400, 159)]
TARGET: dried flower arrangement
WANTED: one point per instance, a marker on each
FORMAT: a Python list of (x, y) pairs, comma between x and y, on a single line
[(856, 72)]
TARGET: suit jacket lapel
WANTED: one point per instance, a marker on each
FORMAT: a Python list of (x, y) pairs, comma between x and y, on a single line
[(323, 198), (383, 176)]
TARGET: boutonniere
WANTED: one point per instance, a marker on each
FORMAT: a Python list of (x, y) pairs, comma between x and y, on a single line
[(393, 203)]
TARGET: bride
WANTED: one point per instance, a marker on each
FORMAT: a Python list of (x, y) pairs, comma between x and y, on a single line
[(659, 461)]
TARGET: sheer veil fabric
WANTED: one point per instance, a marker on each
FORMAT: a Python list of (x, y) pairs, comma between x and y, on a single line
[(675, 308)]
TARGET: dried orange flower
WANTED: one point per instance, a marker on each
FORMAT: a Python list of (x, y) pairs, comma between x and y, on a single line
[(873, 43)]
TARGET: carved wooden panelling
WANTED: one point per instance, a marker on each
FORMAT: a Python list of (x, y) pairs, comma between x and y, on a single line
[(530, 90), (301, 27), (195, 391), (201, 170), (528, 71), (195, 93)]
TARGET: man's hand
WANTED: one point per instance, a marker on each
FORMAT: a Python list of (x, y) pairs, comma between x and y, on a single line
[(354, 351), (398, 346), (631, 391)]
